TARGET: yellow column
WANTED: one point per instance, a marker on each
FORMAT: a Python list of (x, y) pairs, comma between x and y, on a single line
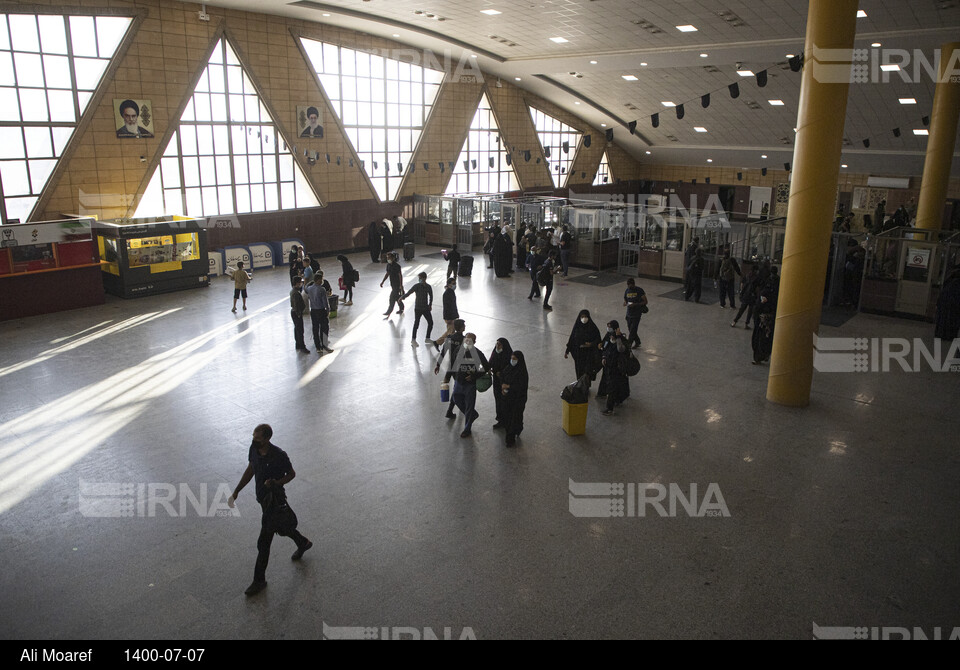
[(941, 143), (831, 29)]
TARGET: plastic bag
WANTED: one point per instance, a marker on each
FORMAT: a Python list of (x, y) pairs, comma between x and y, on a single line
[(578, 392)]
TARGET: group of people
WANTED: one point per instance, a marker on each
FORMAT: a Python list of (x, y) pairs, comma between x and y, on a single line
[(383, 236)]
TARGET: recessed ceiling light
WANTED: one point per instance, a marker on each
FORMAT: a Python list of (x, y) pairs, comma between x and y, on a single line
[(559, 40), (704, 55), (745, 73), (876, 45), (687, 29), (921, 131), (908, 101), (844, 166), (648, 153), (709, 160), (776, 103), (700, 129), (893, 67), (667, 103), (396, 34), (628, 77), (473, 55), (516, 78), (325, 14), (861, 14), (490, 12), (791, 55), (763, 156), (593, 62), (603, 125), (643, 65), (576, 102)]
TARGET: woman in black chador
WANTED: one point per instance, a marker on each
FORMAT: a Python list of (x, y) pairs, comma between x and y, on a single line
[(582, 345), (502, 254), (515, 380), (499, 359), (765, 317), (614, 384), (375, 241)]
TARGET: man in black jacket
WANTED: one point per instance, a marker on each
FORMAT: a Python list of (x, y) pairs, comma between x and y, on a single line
[(450, 313), (470, 363), (422, 307), (395, 274)]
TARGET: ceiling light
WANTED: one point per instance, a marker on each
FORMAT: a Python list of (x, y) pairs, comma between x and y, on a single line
[(628, 77), (704, 55), (516, 78), (861, 14), (876, 45), (576, 102), (921, 131), (490, 12), (473, 55), (709, 160), (791, 55), (908, 101), (603, 125), (763, 156), (325, 14), (844, 166), (593, 62), (559, 40), (776, 103), (648, 153), (396, 34), (687, 29), (893, 67), (667, 103), (700, 129), (745, 73), (643, 65)]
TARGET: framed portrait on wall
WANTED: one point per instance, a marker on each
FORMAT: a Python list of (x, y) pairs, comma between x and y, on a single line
[(310, 121), (134, 118)]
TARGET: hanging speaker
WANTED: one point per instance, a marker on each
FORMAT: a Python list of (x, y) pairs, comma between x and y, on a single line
[(680, 111), (866, 143), (707, 180), (705, 100), (762, 78), (493, 161), (734, 90), (586, 141), (426, 167), (925, 120), (328, 158), (609, 134), (509, 160), (655, 120), (693, 181), (473, 162), (796, 63), (538, 160), (632, 127), (375, 165), (442, 167), (413, 168), (351, 162), (466, 165), (450, 165), (566, 146), (786, 166), (583, 175), (546, 152), (896, 132), (338, 160)]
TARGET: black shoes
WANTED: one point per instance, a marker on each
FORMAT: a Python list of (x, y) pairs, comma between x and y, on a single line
[(497, 425), (298, 554), (303, 350), (256, 587), (451, 415)]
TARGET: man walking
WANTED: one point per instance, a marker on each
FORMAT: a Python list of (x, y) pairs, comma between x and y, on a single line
[(422, 307), (566, 246), (635, 301), (270, 467), (240, 280), (395, 274), (319, 314), (297, 307), (450, 313)]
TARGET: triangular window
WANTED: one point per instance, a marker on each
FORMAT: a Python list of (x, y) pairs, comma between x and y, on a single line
[(559, 142), (483, 166)]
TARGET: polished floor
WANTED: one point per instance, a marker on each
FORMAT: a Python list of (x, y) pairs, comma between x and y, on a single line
[(117, 420)]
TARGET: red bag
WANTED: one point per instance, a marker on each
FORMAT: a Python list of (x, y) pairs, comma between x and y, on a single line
[(342, 287)]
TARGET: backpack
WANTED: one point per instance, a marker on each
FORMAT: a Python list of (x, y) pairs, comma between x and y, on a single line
[(543, 275), (356, 276)]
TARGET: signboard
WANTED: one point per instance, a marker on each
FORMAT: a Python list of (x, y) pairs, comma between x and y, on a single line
[(918, 258), (45, 233)]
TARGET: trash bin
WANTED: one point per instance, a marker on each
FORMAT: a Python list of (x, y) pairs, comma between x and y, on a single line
[(574, 418), (333, 300)]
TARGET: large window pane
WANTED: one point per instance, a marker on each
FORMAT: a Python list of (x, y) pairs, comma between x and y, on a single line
[(110, 30), (11, 143), (61, 106), (39, 144), (15, 178), (89, 72), (39, 173), (83, 36), (33, 104), (53, 35), (23, 32)]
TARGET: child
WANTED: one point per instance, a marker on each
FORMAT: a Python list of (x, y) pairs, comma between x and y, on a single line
[(347, 280), (240, 280), (453, 262)]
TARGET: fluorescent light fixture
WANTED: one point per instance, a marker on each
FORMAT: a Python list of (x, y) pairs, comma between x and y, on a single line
[(791, 55), (576, 102), (603, 125), (490, 12), (643, 65), (861, 14), (667, 103), (844, 166), (763, 156), (516, 78), (908, 101), (396, 34), (876, 45), (648, 153), (745, 73), (559, 40), (473, 55), (893, 67), (921, 132), (776, 103), (593, 62), (687, 29), (700, 129), (326, 14), (628, 77), (704, 55), (709, 160)]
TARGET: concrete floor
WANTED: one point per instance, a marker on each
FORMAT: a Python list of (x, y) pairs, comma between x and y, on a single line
[(841, 514)]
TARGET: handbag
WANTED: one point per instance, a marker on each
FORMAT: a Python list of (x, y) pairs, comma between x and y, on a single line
[(630, 364), (484, 382), (342, 285)]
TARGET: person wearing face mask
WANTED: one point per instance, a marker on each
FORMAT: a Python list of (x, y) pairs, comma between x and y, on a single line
[(422, 306), (514, 381), (535, 262), (395, 274), (582, 345), (450, 351), (450, 313), (614, 384), (499, 360), (470, 364)]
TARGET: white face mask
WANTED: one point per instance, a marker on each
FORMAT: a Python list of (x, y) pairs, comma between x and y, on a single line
[(610, 330), (468, 344), (584, 320), (499, 350), (513, 361)]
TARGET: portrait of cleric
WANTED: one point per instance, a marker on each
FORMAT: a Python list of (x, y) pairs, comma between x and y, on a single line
[(309, 122), (136, 119)]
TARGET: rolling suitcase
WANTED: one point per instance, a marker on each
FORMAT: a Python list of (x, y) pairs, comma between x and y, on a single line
[(466, 266), (409, 250)]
